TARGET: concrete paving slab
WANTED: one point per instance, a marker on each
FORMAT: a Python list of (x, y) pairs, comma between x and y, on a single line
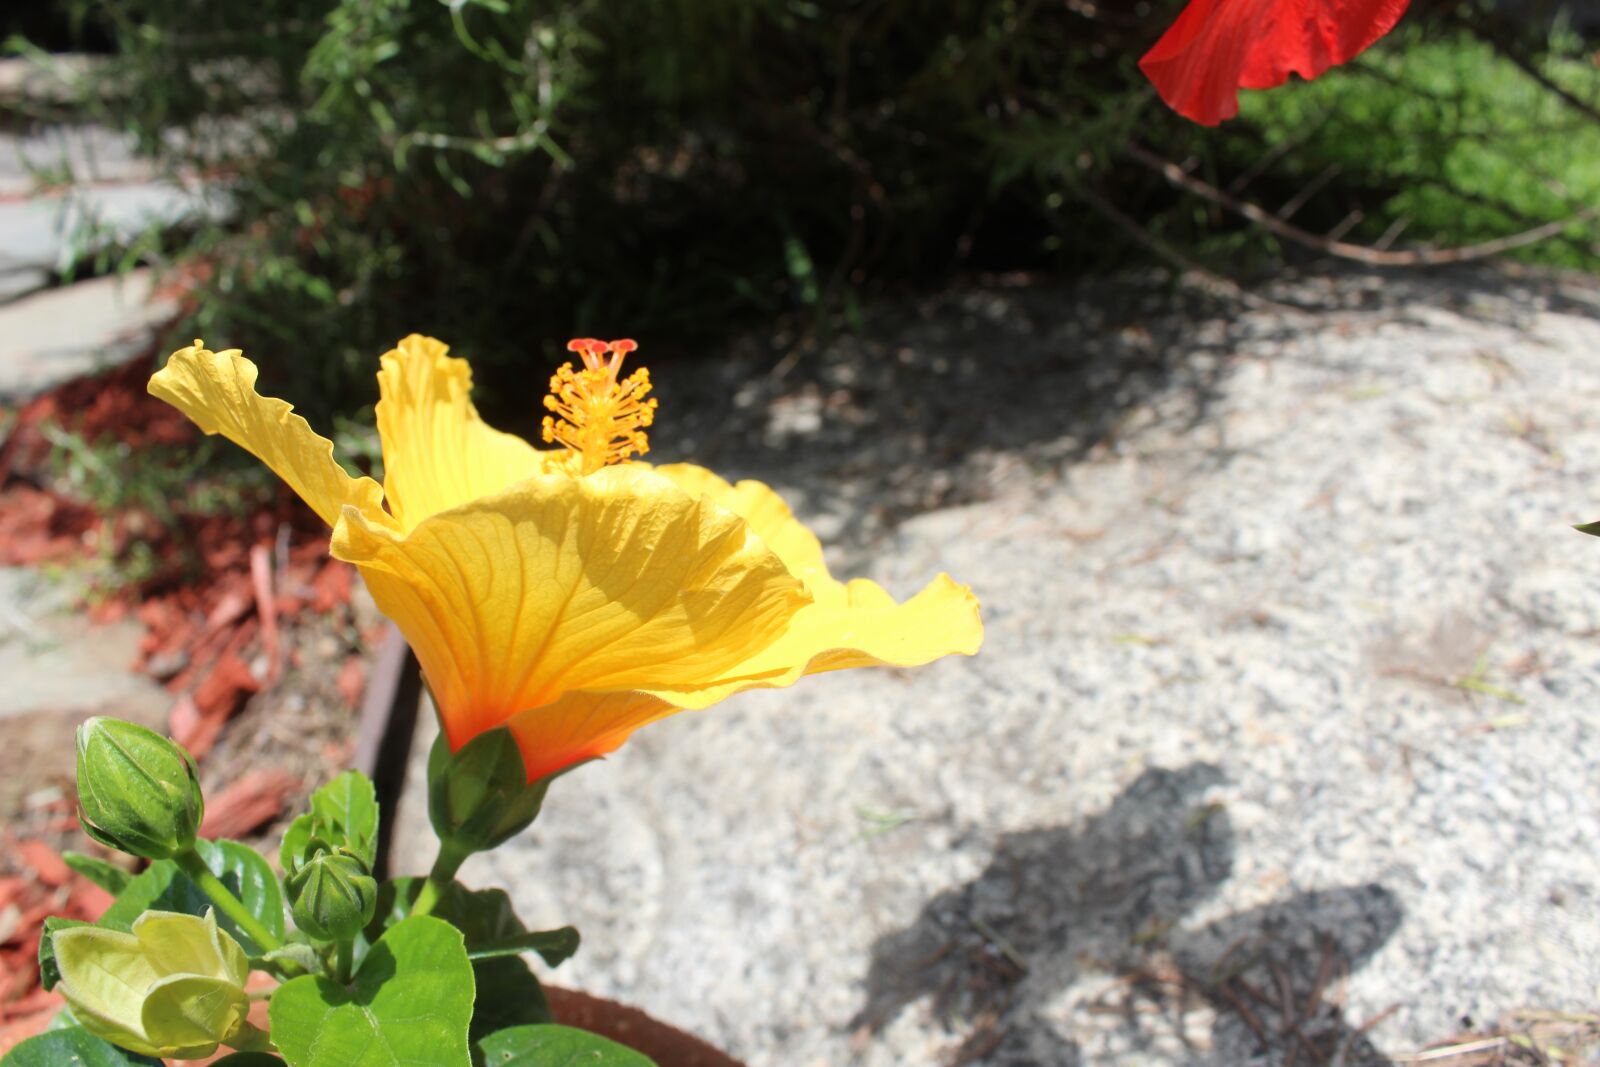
[(51, 232), (20, 281), (58, 671), (68, 190), (59, 334), (53, 661), (89, 153), (50, 80)]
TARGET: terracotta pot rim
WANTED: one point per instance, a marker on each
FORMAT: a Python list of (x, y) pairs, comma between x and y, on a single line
[(667, 1045)]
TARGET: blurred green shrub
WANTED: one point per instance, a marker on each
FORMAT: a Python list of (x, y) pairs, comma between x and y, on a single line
[(505, 174), (1448, 139), (509, 173)]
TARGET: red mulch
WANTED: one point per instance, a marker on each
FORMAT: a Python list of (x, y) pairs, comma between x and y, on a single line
[(247, 803), (211, 631), (212, 612), (25, 1008)]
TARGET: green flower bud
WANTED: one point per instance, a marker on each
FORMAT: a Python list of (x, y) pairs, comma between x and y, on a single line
[(481, 796), (173, 987), (137, 791), (333, 896)]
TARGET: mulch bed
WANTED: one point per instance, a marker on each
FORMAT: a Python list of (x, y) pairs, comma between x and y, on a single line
[(257, 634)]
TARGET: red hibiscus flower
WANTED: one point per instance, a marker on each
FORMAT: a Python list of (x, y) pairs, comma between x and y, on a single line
[(1218, 47)]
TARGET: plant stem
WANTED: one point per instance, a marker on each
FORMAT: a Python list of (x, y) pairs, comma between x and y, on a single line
[(195, 867), (451, 857), (342, 966)]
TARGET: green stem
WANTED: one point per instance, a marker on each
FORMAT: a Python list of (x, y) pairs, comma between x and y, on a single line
[(451, 857), (195, 867), (342, 966)]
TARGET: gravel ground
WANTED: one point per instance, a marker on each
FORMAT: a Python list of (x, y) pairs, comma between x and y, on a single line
[(58, 672), (1281, 745)]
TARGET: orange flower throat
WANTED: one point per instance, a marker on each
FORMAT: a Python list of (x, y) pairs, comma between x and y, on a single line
[(599, 419)]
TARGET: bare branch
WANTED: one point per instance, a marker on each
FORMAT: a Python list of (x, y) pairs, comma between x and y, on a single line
[(1312, 188), (1205, 278), (1360, 253)]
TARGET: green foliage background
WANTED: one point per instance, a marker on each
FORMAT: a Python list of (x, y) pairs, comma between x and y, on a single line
[(505, 174), (1471, 147)]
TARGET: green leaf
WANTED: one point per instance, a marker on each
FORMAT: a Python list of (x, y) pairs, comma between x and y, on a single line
[(73, 1047), (410, 1004), (296, 842), (350, 804), (49, 971), (163, 887), (553, 946), (1589, 528), (107, 876), (344, 813), (249, 876), (508, 995), (395, 898), (485, 918), (297, 956), (802, 271), (508, 992), (556, 1046)]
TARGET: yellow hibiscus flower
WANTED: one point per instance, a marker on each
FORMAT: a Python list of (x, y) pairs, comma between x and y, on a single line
[(571, 594)]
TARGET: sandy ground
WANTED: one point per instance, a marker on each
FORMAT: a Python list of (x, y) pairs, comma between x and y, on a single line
[(1282, 743)]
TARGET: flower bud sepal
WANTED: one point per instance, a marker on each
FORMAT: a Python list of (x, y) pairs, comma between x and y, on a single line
[(138, 792), (480, 796), (332, 896)]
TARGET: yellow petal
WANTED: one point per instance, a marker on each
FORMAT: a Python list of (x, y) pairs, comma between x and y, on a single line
[(177, 943), (437, 452), (614, 581), (187, 1016), (104, 978), (771, 520), (868, 629), (217, 391), (581, 726), (854, 625)]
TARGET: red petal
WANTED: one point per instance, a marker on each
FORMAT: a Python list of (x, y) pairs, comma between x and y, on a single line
[(1218, 47)]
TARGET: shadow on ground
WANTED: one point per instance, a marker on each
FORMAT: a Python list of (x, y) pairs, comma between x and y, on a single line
[(1107, 897), (927, 403), (914, 410)]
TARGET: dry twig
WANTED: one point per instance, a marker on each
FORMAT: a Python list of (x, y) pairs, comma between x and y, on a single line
[(1430, 257)]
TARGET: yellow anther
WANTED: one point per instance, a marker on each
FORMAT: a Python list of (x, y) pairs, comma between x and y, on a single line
[(598, 418)]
